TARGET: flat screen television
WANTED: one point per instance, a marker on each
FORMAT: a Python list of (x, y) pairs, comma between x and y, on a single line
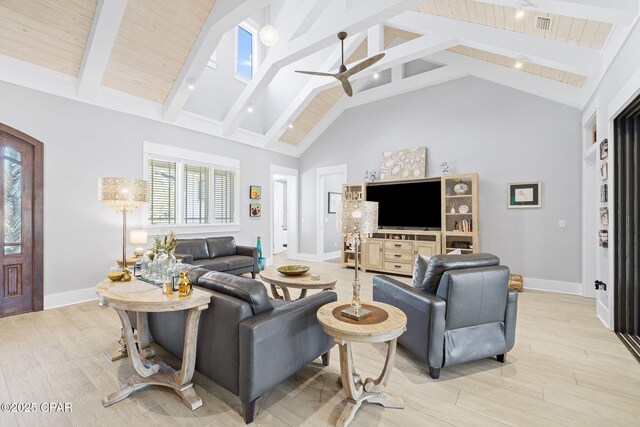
[(407, 205)]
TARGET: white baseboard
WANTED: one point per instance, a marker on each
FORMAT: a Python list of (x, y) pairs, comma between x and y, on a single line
[(71, 297), (553, 286), (330, 255)]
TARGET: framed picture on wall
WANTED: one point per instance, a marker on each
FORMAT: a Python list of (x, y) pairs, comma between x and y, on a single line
[(525, 194), (332, 204), (604, 216), (604, 149), (603, 238), (255, 192), (604, 171), (255, 209), (604, 193)]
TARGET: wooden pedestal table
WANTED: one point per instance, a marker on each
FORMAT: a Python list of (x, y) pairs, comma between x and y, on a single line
[(144, 298), (302, 282), (385, 324)]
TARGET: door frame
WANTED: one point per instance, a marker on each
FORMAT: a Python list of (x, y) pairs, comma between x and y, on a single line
[(292, 209), (38, 214), (320, 174)]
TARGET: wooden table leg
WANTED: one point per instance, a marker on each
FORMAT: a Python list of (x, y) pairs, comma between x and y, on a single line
[(154, 371), (274, 292), (358, 391), (144, 344)]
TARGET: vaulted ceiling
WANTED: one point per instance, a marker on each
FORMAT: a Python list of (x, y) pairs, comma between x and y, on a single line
[(144, 57)]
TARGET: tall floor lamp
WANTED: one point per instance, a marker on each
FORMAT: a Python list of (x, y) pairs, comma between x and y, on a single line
[(357, 220), (124, 195)]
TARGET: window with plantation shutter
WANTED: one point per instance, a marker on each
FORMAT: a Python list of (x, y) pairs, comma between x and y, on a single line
[(197, 193), (162, 191), (224, 196)]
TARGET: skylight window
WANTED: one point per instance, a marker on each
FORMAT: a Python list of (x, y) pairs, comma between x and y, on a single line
[(246, 51)]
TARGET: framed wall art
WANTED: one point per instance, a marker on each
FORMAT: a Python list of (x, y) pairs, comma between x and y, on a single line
[(255, 192), (255, 209), (603, 238), (604, 216), (332, 203), (604, 171), (604, 149), (604, 193), (525, 195)]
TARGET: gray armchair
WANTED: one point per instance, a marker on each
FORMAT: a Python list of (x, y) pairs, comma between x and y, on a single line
[(247, 343), (472, 314)]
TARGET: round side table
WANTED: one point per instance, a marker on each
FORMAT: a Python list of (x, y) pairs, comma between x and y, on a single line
[(145, 298), (385, 324), (303, 282)]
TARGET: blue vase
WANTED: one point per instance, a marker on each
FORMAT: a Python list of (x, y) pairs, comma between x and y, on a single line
[(262, 261)]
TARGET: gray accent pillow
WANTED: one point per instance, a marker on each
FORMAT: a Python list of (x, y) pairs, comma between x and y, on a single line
[(419, 270)]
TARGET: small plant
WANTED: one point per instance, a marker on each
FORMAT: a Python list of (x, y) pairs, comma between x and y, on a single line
[(165, 244)]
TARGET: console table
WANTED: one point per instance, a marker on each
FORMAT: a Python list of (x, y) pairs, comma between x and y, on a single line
[(385, 324), (142, 298)]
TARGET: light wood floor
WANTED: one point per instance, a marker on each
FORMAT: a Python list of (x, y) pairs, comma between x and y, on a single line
[(566, 369)]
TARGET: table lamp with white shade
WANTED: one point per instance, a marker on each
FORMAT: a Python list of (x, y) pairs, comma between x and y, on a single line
[(357, 220), (138, 237)]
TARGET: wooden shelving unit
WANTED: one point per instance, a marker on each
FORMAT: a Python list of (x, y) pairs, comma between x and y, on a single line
[(460, 213)]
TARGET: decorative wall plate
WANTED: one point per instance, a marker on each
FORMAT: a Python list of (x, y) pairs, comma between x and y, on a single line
[(463, 209)]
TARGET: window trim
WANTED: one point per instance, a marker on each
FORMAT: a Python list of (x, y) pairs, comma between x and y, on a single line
[(252, 27), (182, 156)]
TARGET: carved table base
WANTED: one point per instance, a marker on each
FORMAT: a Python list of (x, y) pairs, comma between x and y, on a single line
[(369, 390), (151, 370)]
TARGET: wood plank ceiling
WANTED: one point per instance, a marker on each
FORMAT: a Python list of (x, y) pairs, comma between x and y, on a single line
[(563, 28), (153, 42), (527, 67), (48, 33), (326, 99)]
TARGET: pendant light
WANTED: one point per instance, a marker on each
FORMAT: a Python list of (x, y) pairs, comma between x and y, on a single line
[(268, 33)]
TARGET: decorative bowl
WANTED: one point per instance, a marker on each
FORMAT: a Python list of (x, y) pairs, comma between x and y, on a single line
[(293, 270)]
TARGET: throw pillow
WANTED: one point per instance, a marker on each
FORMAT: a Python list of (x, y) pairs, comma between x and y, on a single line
[(419, 269)]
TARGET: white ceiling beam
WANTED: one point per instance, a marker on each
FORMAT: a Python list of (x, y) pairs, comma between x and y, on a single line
[(551, 53), (354, 21), (409, 84), (375, 39), (104, 29), (520, 80), (621, 12), (305, 96), (313, 13), (395, 56), (224, 15)]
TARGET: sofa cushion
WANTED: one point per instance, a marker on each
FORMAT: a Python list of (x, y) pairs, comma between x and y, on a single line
[(196, 247), (221, 246), (248, 290), (438, 264), (215, 264), (236, 261), (419, 270)]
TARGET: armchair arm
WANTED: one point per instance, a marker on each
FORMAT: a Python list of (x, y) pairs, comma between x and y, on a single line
[(278, 343), (251, 251), (510, 319), (425, 318), (186, 258)]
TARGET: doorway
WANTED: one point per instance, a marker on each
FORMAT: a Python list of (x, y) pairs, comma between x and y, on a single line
[(626, 156), (284, 212), (21, 195), (328, 238)]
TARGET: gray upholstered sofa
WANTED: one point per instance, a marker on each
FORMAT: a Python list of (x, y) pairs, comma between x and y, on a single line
[(463, 311), (247, 343), (219, 254)]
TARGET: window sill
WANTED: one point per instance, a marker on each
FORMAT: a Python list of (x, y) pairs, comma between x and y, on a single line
[(183, 229)]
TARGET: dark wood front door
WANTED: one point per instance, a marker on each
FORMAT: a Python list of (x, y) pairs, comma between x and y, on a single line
[(21, 215)]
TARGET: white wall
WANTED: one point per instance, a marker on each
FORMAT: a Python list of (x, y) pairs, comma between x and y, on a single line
[(82, 236), (503, 134), (619, 86)]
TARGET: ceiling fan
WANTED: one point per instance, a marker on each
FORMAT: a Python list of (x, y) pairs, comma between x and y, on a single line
[(343, 73)]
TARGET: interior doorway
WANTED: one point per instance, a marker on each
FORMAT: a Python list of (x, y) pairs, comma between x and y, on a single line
[(329, 184), (21, 195), (284, 213)]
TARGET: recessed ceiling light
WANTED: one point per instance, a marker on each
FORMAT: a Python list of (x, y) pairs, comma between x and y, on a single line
[(520, 13), (521, 5), (376, 76), (290, 125), (191, 85), (518, 64), (250, 109)]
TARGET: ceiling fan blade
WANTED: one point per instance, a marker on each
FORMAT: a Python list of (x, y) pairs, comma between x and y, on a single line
[(346, 86), (316, 73), (363, 65)]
